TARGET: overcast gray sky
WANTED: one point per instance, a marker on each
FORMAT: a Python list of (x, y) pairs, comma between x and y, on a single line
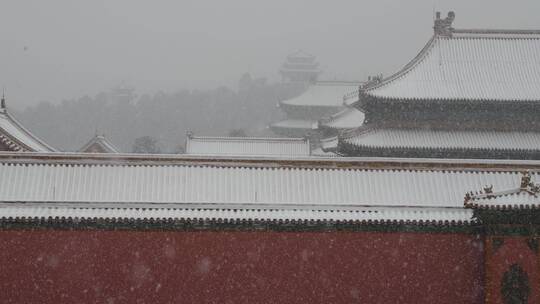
[(58, 49)]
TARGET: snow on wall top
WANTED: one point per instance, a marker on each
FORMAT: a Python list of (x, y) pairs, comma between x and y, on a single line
[(349, 118), (190, 182), (83, 211), (204, 145), (78, 185)]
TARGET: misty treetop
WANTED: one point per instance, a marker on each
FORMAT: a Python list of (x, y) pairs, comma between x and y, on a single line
[(166, 117)]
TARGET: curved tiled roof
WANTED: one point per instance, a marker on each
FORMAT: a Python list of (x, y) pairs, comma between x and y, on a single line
[(17, 138), (295, 124), (349, 118), (330, 143), (508, 199), (439, 139), (323, 94), (301, 54), (469, 65)]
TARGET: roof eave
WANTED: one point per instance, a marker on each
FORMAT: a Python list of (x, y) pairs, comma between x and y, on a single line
[(20, 143)]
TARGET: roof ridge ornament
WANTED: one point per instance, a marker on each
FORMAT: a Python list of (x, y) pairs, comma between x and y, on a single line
[(527, 185), (443, 27), (372, 81)]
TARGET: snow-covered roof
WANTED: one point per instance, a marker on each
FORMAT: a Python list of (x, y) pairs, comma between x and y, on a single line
[(99, 144), (469, 65), (322, 153), (437, 139), (14, 136), (351, 98), (206, 145), (329, 143), (349, 118), (296, 124), (301, 54), (245, 188), (521, 195), (323, 94), (300, 62)]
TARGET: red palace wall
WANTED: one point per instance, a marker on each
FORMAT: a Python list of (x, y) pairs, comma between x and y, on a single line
[(84, 266), (513, 250)]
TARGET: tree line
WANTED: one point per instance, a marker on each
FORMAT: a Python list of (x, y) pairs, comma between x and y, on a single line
[(158, 123)]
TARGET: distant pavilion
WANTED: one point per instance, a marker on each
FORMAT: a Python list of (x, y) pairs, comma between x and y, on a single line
[(321, 99), (300, 67)]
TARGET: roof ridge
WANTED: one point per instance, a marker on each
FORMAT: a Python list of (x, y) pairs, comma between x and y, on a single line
[(342, 112), (339, 115), (406, 69), (439, 71), (496, 31), (487, 195), (301, 53)]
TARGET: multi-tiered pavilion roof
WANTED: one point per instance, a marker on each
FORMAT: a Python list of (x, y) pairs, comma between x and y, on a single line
[(321, 99), (301, 67), (469, 93)]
